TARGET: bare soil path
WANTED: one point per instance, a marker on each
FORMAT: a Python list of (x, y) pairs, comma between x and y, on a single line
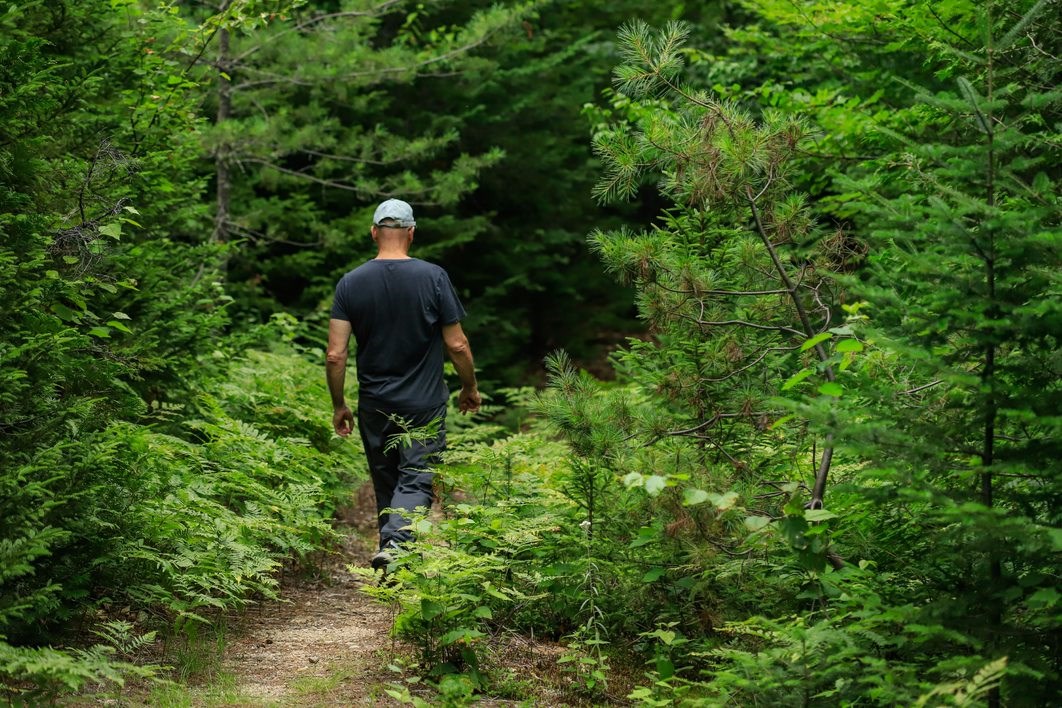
[(327, 643)]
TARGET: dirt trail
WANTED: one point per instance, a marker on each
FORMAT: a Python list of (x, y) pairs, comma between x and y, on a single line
[(327, 643)]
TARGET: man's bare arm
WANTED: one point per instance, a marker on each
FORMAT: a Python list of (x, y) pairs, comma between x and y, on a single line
[(336, 374), (469, 400)]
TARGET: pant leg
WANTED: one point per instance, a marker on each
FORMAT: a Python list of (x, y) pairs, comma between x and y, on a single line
[(383, 466), (402, 477)]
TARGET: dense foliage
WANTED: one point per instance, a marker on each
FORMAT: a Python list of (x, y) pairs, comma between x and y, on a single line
[(147, 463), (826, 471), (829, 476)]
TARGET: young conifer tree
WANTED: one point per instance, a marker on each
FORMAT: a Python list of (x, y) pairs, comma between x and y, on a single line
[(962, 219), (734, 284), (312, 128), (944, 411)]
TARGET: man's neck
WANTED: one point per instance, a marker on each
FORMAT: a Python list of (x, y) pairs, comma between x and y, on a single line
[(391, 255)]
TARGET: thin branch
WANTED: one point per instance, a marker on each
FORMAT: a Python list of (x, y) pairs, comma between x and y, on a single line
[(946, 26), (721, 293), (88, 180), (827, 453), (716, 417), (737, 293), (1035, 46), (745, 368), (347, 158), (733, 460), (302, 175), (809, 331), (916, 389), (831, 156), (743, 323), (338, 185), (259, 237)]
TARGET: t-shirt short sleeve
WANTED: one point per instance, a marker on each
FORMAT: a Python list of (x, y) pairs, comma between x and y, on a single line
[(450, 308), (339, 303)]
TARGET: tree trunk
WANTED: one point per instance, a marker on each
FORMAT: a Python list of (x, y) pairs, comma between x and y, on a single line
[(221, 153)]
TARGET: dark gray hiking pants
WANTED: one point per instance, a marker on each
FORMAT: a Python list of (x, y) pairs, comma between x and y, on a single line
[(401, 476)]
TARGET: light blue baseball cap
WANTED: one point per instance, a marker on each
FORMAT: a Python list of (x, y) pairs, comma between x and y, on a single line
[(399, 211)]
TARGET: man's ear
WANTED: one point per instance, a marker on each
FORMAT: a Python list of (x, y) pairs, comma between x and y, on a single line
[(412, 229), (375, 236)]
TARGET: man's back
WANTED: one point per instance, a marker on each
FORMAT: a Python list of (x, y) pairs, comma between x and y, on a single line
[(402, 313), (396, 308)]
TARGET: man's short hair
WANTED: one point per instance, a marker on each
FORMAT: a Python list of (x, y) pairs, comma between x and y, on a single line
[(394, 212)]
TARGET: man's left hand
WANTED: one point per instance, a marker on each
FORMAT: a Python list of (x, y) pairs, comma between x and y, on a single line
[(343, 421), (469, 400)]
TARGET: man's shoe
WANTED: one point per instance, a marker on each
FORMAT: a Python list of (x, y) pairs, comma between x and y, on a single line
[(381, 560)]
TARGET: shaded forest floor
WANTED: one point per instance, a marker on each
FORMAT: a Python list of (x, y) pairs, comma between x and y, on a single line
[(327, 643)]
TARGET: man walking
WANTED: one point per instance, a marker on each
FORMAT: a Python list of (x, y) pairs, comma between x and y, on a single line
[(402, 312)]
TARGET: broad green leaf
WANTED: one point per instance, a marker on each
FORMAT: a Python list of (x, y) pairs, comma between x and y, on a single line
[(849, 345), (489, 588), (1043, 598), (782, 421), (1055, 534), (692, 497), (634, 479), (654, 484), (429, 609), (797, 378), (65, 313), (755, 523), (831, 388), (817, 339), (113, 230), (646, 535), (653, 574), (724, 501), (819, 515), (461, 634), (666, 636)]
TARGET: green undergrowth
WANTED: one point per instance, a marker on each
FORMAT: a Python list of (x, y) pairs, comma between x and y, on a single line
[(159, 524), (653, 594)]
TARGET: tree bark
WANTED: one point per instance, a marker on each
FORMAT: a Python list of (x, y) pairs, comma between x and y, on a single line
[(221, 153), (819, 490)]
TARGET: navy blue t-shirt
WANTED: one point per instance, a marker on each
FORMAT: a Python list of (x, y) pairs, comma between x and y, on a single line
[(396, 309)]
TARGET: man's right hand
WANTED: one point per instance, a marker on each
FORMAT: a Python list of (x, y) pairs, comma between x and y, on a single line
[(469, 400), (343, 421)]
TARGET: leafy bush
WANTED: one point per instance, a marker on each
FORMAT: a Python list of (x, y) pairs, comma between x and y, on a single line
[(177, 523)]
